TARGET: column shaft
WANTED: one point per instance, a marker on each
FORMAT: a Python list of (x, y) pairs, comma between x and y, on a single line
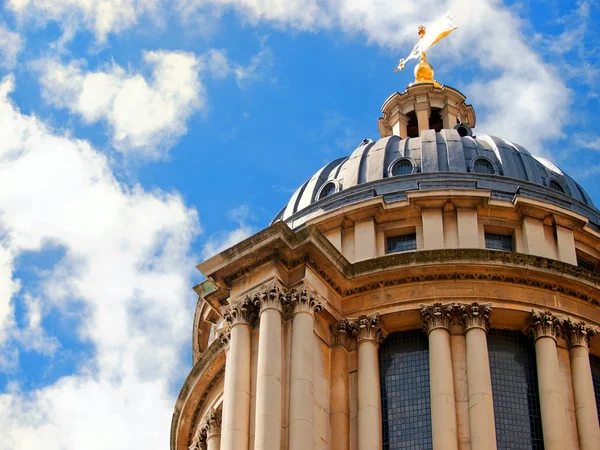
[(213, 442), (268, 382), (479, 380), (369, 396), (340, 399), (236, 395), (302, 397), (443, 405)]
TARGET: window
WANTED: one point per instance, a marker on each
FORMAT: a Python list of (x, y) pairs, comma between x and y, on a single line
[(327, 190), (495, 241), (555, 185), (403, 166), (585, 264), (403, 243), (481, 165), (405, 403)]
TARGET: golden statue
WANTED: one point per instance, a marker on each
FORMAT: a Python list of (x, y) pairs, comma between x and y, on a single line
[(424, 70)]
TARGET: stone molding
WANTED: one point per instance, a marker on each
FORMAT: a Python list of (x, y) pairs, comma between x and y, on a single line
[(578, 334), (474, 315), (543, 324), (304, 299), (437, 316)]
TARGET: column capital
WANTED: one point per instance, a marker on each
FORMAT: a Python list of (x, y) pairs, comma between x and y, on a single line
[(199, 437), (474, 315), (224, 335), (343, 333), (543, 324), (212, 423), (270, 296), (435, 316), (304, 299), (578, 333), (368, 328), (242, 311)]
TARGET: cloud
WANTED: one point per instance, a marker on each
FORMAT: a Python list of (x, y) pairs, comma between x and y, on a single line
[(145, 116), (223, 240), (125, 273), (11, 45)]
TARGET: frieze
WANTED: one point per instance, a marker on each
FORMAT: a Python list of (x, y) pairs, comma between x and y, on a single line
[(578, 333)]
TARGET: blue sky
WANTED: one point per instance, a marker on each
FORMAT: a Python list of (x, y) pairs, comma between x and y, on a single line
[(140, 136)]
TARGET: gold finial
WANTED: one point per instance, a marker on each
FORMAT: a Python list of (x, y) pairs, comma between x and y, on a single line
[(424, 71)]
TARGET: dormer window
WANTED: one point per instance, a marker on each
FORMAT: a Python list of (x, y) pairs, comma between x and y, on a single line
[(327, 189), (555, 185), (483, 165), (402, 166)]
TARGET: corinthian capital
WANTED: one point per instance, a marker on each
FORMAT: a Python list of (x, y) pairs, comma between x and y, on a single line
[(543, 324), (474, 315), (343, 333), (270, 296), (368, 328), (436, 316), (578, 333), (242, 311), (305, 300), (212, 423)]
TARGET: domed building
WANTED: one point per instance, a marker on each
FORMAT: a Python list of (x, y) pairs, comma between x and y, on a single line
[(435, 289)]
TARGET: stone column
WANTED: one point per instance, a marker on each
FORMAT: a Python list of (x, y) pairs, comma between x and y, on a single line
[(304, 303), (340, 385), (236, 392), (269, 369), (213, 430), (544, 328), (475, 319), (369, 334), (437, 318), (578, 337)]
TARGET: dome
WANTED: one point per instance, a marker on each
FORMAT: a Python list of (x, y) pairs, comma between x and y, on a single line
[(392, 166)]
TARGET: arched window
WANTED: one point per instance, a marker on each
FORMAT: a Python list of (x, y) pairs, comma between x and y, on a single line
[(553, 184), (402, 166), (435, 120), (412, 128), (327, 190), (482, 165)]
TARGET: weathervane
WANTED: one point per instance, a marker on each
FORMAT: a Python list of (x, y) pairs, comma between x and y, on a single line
[(423, 70)]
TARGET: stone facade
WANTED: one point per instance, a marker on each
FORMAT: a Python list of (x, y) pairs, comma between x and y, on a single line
[(289, 323)]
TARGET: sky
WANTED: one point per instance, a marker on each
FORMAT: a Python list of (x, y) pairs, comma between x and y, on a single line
[(140, 137)]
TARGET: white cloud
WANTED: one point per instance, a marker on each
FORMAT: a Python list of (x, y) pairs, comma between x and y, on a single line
[(126, 267), (11, 45), (146, 117), (223, 240)]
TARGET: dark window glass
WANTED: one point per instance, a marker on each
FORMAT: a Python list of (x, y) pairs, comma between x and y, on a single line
[(595, 363), (405, 403), (327, 190), (585, 264), (402, 167), (556, 186), (402, 243), (412, 128), (495, 241), (483, 166), (514, 387)]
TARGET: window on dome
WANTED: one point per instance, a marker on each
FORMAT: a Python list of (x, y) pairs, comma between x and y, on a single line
[(403, 243), (483, 166), (494, 241), (403, 167), (327, 190), (556, 186)]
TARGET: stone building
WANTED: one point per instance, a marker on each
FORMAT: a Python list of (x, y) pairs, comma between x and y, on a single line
[(435, 289)]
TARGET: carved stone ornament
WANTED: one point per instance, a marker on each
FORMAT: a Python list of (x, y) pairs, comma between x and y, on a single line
[(473, 315), (242, 311), (368, 328), (578, 333), (343, 333), (224, 335), (212, 423), (271, 296), (436, 316), (304, 299), (543, 324)]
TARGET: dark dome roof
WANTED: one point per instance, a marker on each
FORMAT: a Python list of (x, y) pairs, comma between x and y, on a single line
[(438, 160)]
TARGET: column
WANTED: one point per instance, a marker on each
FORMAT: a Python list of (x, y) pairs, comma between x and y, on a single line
[(422, 110), (340, 386), (236, 392), (578, 337), (213, 430), (269, 369), (369, 334), (437, 318), (302, 400), (475, 321), (544, 328)]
